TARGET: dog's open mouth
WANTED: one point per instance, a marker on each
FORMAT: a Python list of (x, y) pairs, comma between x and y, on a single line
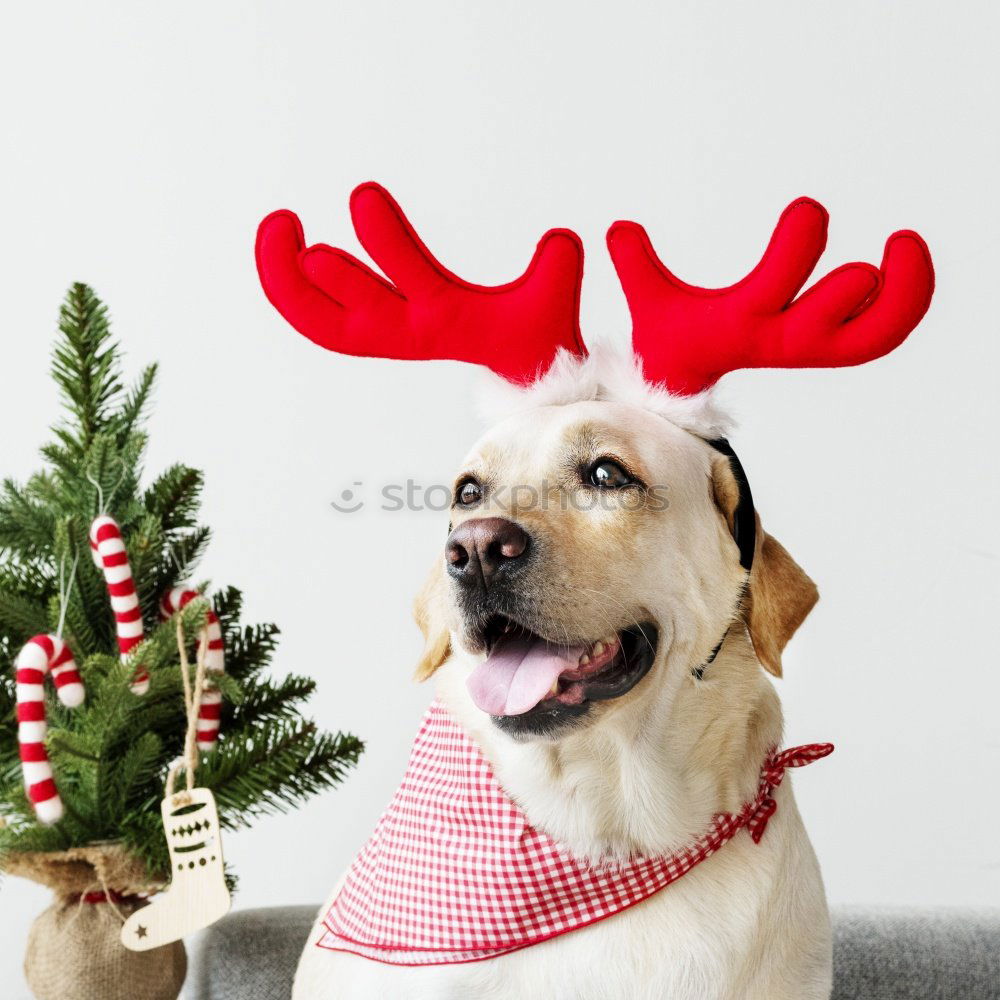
[(525, 674)]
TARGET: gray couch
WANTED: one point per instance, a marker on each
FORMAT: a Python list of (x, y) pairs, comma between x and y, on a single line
[(878, 955)]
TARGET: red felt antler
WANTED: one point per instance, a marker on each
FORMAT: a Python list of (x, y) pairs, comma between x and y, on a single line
[(427, 312), (688, 337)]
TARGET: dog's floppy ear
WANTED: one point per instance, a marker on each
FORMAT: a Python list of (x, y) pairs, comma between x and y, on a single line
[(779, 597), (428, 610), (779, 593)]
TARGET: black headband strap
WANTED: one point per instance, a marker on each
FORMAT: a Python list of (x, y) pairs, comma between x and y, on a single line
[(744, 520)]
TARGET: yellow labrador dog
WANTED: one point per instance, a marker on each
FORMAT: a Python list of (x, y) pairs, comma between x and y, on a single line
[(636, 746), (600, 627)]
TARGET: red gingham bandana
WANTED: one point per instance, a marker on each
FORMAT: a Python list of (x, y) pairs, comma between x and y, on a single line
[(455, 873)]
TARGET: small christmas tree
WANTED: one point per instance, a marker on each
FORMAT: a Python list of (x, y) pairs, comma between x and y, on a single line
[(111, 754)]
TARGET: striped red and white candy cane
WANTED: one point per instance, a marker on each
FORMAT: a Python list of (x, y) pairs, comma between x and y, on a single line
[(41, 655), (108, 551), (209, 713)]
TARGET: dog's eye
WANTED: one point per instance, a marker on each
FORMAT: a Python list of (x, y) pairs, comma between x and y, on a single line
[(468, 493), (608, 474)]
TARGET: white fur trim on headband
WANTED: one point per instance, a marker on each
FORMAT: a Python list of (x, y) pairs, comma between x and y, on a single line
[(606, 374)]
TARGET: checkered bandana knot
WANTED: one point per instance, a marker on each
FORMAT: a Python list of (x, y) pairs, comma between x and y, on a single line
[(455, 873)]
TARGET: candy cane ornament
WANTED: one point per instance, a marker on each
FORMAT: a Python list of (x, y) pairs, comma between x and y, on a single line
[(41, 655), (108, 551), (209, 714)]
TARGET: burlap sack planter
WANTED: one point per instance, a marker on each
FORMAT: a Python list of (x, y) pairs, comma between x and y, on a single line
[(74, 951)]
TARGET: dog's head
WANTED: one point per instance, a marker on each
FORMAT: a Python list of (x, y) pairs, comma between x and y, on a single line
[(606, 528), (598, 534)]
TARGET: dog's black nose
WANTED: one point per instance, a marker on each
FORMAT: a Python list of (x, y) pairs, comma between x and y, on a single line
[(479, 549)]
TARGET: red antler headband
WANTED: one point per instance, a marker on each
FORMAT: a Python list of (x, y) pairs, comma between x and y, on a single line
[(427, 312), (686, 337), (690, 337)]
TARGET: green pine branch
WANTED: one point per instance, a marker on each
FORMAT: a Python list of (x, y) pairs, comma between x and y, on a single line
[(135, 404), (266, 700), (287, 763), (85, 366)]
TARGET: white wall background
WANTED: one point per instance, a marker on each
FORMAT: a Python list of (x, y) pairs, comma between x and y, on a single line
[(143, 142)]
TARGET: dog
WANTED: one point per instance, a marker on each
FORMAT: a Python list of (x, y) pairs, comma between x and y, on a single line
[(640, 759), (600, 629)]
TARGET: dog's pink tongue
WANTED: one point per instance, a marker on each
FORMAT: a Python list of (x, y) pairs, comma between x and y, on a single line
[(519, 673)]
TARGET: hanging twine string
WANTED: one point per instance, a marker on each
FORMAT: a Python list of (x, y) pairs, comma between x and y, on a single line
[(100, 493), (101, 508), (192, 704), (106, 895), (65, 588)]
